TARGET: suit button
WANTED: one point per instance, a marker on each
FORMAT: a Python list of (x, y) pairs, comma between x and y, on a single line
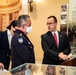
[(7, 54), (31, 47)]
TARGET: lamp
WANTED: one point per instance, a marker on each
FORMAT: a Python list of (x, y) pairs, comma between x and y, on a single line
[(31, 7)]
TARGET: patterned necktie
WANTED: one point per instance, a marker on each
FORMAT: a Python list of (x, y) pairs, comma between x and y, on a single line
[(55, 37)]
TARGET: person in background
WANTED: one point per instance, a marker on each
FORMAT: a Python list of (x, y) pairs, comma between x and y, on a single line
[(1, 66), (5, 44), (51, 70), (22, 47), (55, 44)]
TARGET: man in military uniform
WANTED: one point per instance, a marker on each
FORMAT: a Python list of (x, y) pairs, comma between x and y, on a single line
[(22, 48)]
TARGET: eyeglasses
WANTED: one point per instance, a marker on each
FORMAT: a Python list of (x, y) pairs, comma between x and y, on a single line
[(50, 23), (23, 25)]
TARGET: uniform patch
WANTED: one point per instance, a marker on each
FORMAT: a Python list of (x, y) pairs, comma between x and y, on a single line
[(20, 40)]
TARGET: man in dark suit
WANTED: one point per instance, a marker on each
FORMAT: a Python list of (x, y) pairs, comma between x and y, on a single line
[(55, 44), (22, 47), (5, 44)]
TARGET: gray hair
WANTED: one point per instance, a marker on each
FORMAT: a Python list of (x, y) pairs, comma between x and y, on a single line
[(22, 18)]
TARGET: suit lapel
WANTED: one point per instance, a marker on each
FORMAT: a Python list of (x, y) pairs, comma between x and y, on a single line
[(60, 38), (50, 35), (50, 38), (6, 38)]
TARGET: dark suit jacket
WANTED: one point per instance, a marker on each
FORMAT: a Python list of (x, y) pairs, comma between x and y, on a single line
[(22, 49), (4, 48), (50, 49)]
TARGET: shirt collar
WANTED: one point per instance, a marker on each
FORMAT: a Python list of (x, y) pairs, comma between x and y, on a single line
[(8, 32), (54, 32)]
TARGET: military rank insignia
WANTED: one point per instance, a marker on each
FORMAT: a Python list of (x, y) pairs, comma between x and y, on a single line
[(20, 40)]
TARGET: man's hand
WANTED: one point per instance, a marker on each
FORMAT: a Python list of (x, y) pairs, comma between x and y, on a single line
[(1, 66), (62, 56)]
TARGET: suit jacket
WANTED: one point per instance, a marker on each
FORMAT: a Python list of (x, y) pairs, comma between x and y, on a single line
[(4, 47), (22, 49), (51, 51)]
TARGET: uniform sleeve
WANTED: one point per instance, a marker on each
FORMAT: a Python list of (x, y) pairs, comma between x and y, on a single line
[(49, 52), (22, 48), (67, 45)]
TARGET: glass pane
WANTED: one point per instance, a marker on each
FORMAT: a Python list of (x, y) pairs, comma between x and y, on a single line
[(40, 69)]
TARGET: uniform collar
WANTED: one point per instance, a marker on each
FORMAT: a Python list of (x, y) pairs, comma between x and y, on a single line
[(20, 31)]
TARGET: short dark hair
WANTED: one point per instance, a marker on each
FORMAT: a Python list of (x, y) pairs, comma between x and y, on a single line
[(21, 18), (13, 23), (55, 19)]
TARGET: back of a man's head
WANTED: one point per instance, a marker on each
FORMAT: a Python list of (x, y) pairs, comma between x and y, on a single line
[(13, 23)]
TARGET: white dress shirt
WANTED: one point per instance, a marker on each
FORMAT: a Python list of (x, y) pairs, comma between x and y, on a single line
[(9, 38)]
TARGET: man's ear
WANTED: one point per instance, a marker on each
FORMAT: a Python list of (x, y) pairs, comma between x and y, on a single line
[(11, 27), (56, 23)]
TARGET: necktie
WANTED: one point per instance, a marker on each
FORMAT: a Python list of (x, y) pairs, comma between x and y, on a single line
[(55, 37)]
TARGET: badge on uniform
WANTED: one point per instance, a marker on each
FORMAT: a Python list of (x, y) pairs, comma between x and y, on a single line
[(20, 40)]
